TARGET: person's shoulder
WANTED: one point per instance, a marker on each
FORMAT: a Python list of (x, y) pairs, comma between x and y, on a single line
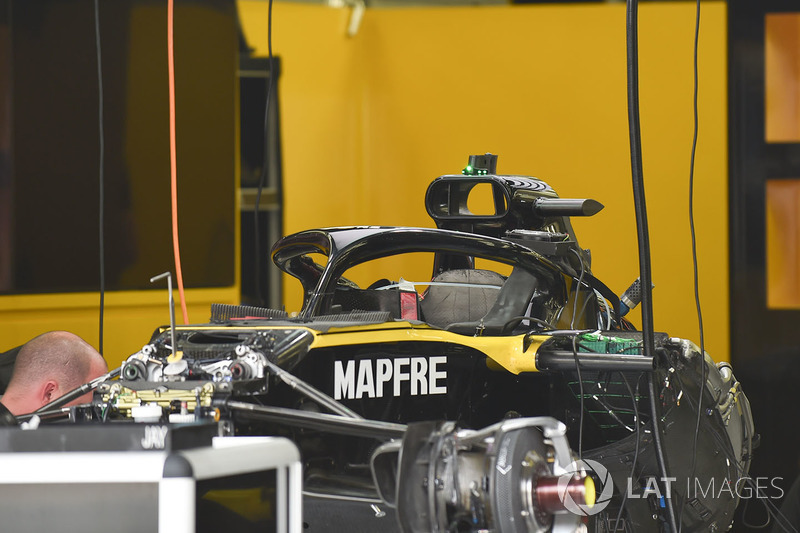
[(10, 356), (7, 360)]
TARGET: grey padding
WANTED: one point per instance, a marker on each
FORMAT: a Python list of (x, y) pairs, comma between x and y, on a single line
[(443, 305)]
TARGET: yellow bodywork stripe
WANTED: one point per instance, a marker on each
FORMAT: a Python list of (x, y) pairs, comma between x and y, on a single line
[(504, 352)]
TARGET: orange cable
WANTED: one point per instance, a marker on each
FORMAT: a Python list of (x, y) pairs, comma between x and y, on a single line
[(173, 157)]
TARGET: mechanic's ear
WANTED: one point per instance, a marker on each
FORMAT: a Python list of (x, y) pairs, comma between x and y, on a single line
[(49, 392)]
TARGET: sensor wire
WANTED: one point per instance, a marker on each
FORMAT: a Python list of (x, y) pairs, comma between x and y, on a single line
[(693, 469), (101, 173), (265, 166)]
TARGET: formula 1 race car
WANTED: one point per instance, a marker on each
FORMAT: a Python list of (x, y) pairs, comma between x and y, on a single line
[(472, 377)]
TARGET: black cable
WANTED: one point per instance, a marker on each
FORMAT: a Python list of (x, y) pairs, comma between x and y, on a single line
[(694, 262), (602, 304), (265, 167), (577, 288), (585, 306), (522, 318), (747, 524), (101, 180), (659, 447), (543, 323), (580, 389), (575, 352), (772, 510), (636, 449), (643, 235)]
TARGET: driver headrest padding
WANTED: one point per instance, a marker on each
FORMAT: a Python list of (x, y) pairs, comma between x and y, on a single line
[(443, 305)]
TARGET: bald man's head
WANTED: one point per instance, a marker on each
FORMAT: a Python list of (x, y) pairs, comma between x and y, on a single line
[(48, 367)]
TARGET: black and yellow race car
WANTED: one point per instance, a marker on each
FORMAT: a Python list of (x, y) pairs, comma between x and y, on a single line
[(472, 377)]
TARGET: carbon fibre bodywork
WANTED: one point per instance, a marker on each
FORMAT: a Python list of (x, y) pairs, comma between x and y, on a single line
[(508, 323)]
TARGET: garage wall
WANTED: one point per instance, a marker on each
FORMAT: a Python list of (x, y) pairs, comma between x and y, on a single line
[(369, 120), (53, 132)]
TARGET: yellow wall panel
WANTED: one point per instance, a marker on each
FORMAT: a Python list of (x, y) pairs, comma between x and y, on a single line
[(129, 319), (418, 89), (320, 86)]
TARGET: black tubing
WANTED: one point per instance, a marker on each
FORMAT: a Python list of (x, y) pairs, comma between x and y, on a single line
[(317, 421), (643, 235), (561, 360)]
